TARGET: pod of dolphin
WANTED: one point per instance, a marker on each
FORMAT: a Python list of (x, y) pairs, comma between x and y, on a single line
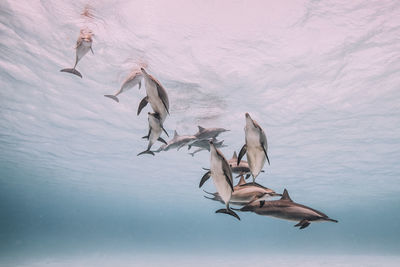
[(248, 196)]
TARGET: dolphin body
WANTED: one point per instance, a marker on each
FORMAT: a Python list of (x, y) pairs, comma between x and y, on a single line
[(256, 147), (131, 81), (244, 193), (156, 95), (83, 45), (204, 145), (177, 142), (222, 177), (285, 208), (155, 129), (208, 133)]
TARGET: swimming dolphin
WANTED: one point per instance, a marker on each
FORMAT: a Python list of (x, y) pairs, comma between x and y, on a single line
[(134, 79), (155, 129), (205, 145), (83, 45), (209, 133), (177, 142), (242, 168), (156, 96), (244, 193), (286, 209), (256, 147), (222, 177)]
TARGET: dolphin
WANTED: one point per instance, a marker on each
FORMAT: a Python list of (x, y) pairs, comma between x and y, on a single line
[(209, 133), (131, 81), (244, 193), (222, 177), (241, 168), (156, 96), (155, 129), (205, 145), (256, 147), (83, 45), (177, 142), (285, 208)]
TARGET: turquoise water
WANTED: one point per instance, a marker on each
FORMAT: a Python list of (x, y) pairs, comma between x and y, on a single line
[(321, 78)]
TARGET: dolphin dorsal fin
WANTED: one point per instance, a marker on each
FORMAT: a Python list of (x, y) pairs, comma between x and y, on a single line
[(234, 155), (241, 181), (176, 134), (285, 195), (201, 129)]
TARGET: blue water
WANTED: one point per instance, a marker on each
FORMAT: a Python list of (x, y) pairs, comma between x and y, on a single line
[(321, 78)]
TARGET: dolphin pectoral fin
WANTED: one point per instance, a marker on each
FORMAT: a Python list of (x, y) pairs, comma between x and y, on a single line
[(213, 194), (212, 198), (164, 131), (73, 71), (91, 49), (228, 180), (163, 96), (205, 177), (229, 212), (146, 152), (113, 97), (265, 151), (241, 153), (142, 104), (162, 140), (303, 224)]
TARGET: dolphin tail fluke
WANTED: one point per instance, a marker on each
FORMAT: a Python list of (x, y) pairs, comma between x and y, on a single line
[(229, 212), (113, 97), (146, 152), (73, 71)]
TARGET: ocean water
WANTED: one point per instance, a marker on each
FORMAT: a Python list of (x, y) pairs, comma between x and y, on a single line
[(322, 78)]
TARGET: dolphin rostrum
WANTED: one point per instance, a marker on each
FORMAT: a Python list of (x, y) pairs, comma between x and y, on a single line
[(83, 45), (156, 96), (177, 142), (155, 129), (222, 177), (244, 193), (285, 208), (208, 133), (256, 147), (134, 79)]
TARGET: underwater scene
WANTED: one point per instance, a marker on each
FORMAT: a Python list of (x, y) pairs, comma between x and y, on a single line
[(200, 133)]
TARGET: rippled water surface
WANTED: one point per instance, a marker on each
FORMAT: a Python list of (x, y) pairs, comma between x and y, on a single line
[(321, 77)]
